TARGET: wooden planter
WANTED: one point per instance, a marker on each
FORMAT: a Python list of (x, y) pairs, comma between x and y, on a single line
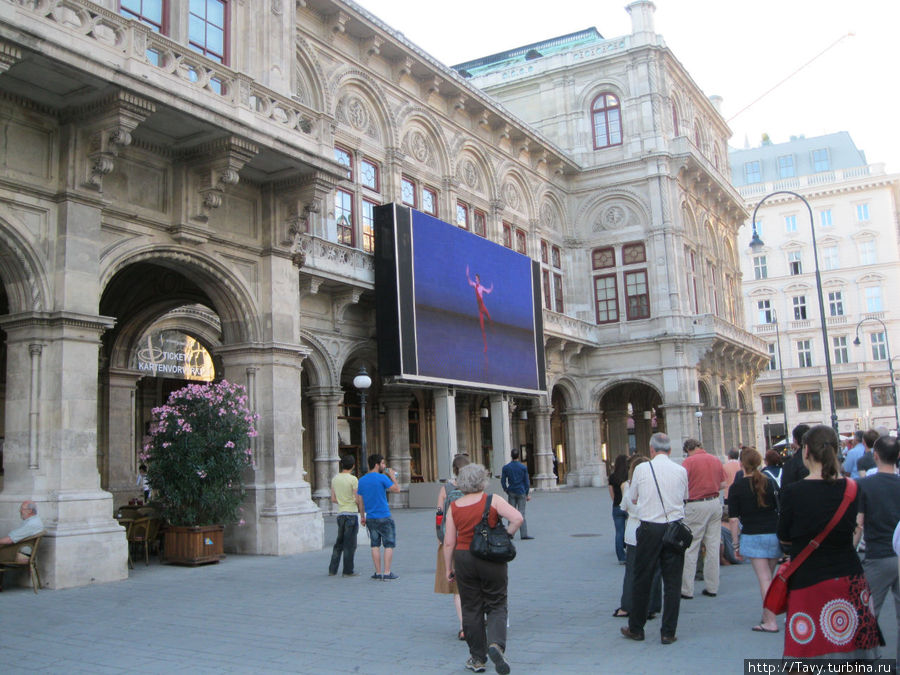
[(194, 545)]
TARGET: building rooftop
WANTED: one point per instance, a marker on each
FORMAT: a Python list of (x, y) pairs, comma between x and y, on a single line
[(800, 156), (535, 50)]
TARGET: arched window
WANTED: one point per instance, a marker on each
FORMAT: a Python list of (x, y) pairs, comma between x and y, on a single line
[(607, 121)]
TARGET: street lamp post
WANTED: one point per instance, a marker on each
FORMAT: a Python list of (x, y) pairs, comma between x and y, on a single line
[(781, 375), (362, 382), (887, 347), (768, 433), (756, 244), (699, 416)]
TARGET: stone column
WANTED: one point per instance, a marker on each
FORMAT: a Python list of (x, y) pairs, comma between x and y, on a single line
[(543, 450), (463, 425), (445, 430), (731, 428), (500, 434), (326, 404), (642, 430), (617, 434), (396, 405), (583, 451), (279, 513), (680, 425), (120, 465), (50, 450)]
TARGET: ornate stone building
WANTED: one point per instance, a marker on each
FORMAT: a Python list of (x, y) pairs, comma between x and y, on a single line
[(187, 194)]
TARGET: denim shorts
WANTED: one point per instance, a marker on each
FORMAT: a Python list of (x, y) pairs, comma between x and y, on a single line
[(382, 532), (760, 546)]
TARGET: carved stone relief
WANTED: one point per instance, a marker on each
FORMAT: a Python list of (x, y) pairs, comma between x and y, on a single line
[(511, 196), (354, 112), (416, 144), (615, 216)]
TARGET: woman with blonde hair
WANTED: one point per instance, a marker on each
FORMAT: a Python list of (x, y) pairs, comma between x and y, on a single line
[(751, 500), (481, 583)]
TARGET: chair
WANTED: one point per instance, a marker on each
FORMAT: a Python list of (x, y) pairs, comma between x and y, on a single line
[(31, 563), (142, 531), (130, 512)]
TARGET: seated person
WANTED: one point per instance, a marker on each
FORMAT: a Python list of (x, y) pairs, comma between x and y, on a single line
[(32, 526)]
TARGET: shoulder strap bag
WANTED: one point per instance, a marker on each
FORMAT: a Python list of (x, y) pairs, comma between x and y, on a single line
[(491, 543), (678, 536), (777, 595)]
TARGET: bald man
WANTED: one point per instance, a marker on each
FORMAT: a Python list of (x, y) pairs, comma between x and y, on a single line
[(32, 526)]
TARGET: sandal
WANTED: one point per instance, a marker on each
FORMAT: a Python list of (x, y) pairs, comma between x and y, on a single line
[(759, 628), (620, 613), (462, 635)]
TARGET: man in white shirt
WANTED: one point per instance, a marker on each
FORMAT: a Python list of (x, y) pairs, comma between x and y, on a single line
[(654, 509), (31, 527)]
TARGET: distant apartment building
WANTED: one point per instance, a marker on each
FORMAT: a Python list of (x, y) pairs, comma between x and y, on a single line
[(854, 214)]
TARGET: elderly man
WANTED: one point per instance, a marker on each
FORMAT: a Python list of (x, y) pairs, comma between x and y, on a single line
[(703, 514), (31, 527), (659, 488)]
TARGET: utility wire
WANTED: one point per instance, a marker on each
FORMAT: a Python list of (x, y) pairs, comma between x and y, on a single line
[(769, 91)]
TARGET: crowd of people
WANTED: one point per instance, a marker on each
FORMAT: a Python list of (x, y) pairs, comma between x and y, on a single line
[(830, 510), (831, 514)]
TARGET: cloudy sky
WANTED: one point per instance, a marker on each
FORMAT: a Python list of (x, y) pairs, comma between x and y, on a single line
[(738, 50)]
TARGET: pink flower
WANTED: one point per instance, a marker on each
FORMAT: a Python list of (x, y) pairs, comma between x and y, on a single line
[(201, 473)]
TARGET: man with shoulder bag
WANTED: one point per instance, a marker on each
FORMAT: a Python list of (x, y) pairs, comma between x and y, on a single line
[(659, 489)]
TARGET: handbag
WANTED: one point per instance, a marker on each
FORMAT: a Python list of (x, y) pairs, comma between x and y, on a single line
[(491, 543), (776, 599), (677, 536)]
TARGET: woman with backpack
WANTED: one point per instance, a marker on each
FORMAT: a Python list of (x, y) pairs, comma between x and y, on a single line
[(449, 493)]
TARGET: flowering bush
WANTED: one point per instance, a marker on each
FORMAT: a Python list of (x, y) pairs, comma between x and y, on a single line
[(198, 450)]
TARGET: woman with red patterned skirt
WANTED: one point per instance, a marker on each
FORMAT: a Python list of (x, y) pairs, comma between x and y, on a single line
[(829, 612)]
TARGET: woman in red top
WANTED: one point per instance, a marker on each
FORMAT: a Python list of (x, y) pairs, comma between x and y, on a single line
[(481, 583)]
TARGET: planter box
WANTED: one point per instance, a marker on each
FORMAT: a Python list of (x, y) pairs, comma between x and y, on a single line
[(194, 545)]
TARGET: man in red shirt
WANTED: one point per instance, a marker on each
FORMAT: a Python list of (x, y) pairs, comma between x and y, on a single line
[(703, 514)]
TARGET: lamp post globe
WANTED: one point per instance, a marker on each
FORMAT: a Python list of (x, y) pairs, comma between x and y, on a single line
[(362, 382)]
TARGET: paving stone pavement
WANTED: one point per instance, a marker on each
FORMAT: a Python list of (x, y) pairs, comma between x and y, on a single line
[(260, 614)]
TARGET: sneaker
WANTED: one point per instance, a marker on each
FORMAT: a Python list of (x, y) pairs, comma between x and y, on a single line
[(377, 577), (390, 576), (496, 654), (474, 666)]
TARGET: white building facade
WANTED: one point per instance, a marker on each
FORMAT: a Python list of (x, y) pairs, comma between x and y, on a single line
[(854, 211)]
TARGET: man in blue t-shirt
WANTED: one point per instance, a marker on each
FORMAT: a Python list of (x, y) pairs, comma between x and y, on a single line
[(373, 488), (515, 483)]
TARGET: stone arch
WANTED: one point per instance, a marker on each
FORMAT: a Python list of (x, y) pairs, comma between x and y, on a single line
[(711, 242), (21, 271), (551, 212), (232, 301), (690, 221), (569, 391), (609, 211), (414, 118), (602, 390), (611, 85), (703, 394), (370, 96), (724, 398), (320, 365), (514, 193), (207, 329), (679, 113), (475, 153), (308, 78)]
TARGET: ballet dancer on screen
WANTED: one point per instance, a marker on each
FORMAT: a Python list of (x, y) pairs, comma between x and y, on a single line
[(480, 291)]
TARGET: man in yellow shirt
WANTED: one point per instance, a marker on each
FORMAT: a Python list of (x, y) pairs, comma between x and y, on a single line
[(350, 509)]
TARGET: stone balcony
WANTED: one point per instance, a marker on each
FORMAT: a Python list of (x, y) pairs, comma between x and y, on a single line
[(821, 179)]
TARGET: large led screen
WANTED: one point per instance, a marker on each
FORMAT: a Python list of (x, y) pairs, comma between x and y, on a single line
[(454, 308)]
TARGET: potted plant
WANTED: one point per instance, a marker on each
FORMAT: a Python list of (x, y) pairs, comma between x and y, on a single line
[(198, 450)]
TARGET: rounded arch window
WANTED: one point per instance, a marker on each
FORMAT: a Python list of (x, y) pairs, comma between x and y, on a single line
[(606, 120)]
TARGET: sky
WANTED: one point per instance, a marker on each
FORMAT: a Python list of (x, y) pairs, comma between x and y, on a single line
[(738, 50)]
